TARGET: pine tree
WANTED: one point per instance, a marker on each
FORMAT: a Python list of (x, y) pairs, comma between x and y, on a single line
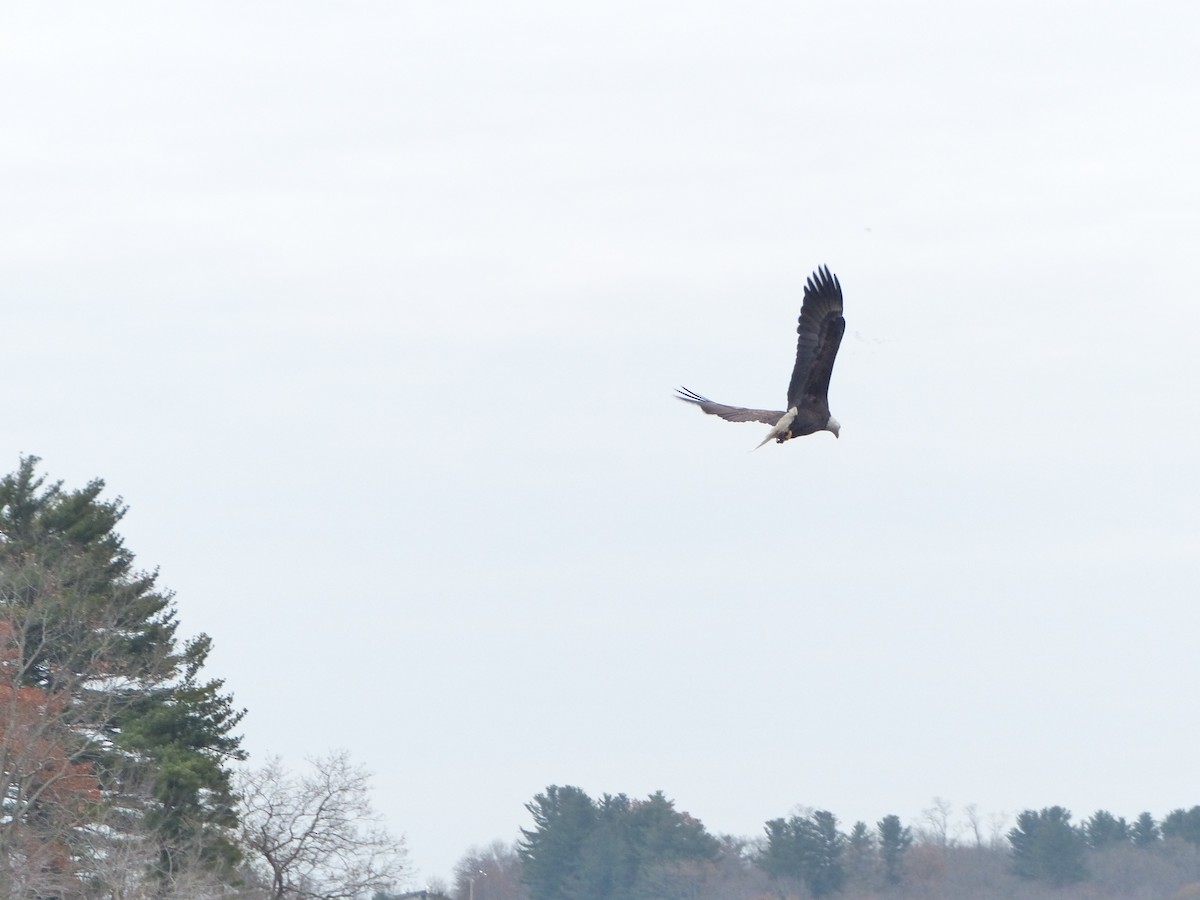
[(661, 832), (808, 848), (82, 625), (1144, 831), (824, 873), (1047, 847), (612, 849), (1104, 829), (894, 841), (1182, 825), (564, 819), (860, 853)]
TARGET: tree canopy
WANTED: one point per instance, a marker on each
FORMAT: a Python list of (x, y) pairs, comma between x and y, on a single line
[(581, 849), (807, 848), (111, 734), (1047, 847)]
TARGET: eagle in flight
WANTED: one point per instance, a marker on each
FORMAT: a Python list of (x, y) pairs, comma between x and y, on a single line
[(821, 327)]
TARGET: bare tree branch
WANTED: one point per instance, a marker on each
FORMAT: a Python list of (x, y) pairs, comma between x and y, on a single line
[(316, 836)]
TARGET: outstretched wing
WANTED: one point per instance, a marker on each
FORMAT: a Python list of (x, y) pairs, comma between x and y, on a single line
[(821, 327), (731, 413)]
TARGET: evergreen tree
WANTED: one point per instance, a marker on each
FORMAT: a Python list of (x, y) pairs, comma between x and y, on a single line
[(825, 874), (564, 819), (860, 839), (1047, 847), (1182, 825), (183, 731), (97, 638), (1103, 829), (894, 841), (1144, 831), (860, 853), (808, 848), (663, 833), (609, 857), (606, 850)]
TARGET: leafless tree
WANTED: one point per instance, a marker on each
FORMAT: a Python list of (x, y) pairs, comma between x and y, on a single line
[(974, 822), (999, 822), (123, 858), (491, 873), (316, 836), (937, 817), (48, 789)]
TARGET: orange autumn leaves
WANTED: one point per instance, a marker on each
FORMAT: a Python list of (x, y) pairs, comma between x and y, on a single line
[(39, 754)]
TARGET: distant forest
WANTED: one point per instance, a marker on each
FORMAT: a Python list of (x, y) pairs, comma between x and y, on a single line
[(617, 848), (122, 777)]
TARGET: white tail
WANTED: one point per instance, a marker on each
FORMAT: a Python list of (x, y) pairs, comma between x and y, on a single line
[(781, 427)]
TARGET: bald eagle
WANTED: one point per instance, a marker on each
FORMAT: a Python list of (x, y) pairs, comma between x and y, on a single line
[(821, 327)]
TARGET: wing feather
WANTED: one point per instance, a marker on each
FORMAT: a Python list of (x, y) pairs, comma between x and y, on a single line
[(731, 413), (820, 329)]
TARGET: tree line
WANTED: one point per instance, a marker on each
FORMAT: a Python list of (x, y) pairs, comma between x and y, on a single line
[(124, 778), (120, 760), (617, 848)]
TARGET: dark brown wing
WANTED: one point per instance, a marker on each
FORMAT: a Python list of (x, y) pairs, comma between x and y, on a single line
[(821, 327), (731, 413)]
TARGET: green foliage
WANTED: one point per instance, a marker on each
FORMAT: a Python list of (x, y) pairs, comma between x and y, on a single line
[(665, 834), (807, 848), (806, 856), (1103, 829), (894, 841), (553, 851), (89, 627), (859, 839), (183, 731), (580, 849), (1047, 847), (71, 579), (860, 854), (1144, 831), (1182, 825)]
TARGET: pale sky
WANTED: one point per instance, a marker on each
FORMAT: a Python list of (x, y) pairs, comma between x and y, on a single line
[(372, 312)]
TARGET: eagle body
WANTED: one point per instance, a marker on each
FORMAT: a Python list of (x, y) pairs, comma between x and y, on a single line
[(820, 334)]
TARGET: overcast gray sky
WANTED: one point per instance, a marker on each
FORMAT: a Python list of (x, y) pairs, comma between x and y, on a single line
[(373, 312)]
